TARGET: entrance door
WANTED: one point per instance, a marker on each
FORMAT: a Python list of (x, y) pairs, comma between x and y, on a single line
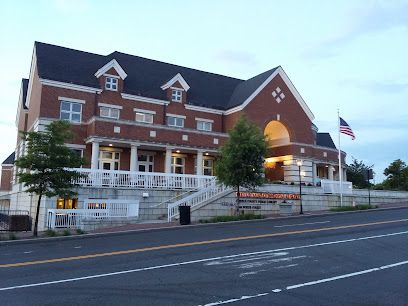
[(145, 162), (109, 160)]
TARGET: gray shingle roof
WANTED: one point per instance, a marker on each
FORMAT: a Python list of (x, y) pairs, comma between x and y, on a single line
[(9, 160), (145, 76), (325, 140)]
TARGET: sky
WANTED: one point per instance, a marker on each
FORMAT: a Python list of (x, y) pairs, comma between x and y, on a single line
[(349, 56)]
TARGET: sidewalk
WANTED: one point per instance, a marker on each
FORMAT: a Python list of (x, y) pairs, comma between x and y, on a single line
[(152, 225), (157, 225)]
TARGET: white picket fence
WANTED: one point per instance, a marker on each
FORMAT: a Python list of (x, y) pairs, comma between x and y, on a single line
[(94, 209), (335, 187), (128, 179)]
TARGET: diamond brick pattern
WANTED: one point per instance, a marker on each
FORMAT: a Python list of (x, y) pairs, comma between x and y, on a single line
[(278, 95)]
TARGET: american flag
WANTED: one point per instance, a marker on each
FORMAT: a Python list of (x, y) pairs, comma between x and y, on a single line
[(346, 129)]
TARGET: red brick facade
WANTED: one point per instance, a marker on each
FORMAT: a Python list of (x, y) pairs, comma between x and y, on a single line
[(45, 103)]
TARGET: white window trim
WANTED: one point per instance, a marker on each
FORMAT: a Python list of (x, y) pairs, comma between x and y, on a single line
[(174, 125), (139, 110), (106, 83), (207, 130), (174, 115), (66, 99), (110, 105), (205, 120), (174, 165), (111, 75), (110, 112), (178, 91), (71, 112), (144, 121)]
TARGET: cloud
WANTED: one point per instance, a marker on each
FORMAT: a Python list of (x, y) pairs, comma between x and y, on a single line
[(385, 87), (374, 16), (236, 57)]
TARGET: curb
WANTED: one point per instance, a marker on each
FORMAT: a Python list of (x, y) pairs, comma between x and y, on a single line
[(176, 227)]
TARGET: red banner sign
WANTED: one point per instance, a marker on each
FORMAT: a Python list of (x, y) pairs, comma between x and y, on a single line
[(269, 195)]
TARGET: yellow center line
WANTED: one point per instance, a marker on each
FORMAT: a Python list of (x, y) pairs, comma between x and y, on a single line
[(187, 244)]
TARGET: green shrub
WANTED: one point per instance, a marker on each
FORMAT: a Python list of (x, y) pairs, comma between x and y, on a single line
[(66, 232), (79, 231), (50, 233), (351, 208), (12, 236), (231, 218)]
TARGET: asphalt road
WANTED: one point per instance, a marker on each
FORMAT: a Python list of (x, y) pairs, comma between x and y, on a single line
[(343, 259)]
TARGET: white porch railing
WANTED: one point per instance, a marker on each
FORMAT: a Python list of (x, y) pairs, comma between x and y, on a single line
[(127, 179), (195, 199), (335, 187), (94, 209)]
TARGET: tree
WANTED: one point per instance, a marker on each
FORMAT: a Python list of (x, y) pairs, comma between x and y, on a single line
[(397, 175), (357, 174), (241, 162), (44, 168)]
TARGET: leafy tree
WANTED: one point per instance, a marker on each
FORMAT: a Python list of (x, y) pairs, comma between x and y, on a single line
[(241, 162), (397, 175), (356, 173), (43, 170)]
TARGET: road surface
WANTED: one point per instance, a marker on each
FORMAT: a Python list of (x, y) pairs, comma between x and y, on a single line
[(342, 259)]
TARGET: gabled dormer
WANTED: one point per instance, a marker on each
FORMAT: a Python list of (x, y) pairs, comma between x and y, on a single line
[(176, 89), (111, 76)]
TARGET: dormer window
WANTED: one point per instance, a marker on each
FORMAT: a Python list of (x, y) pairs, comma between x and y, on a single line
[(176, 95), (111, 83)]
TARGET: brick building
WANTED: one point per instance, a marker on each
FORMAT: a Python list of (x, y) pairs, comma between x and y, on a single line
[(135, 114)]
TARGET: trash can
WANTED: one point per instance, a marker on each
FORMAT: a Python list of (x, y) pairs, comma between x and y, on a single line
[(184, 211)]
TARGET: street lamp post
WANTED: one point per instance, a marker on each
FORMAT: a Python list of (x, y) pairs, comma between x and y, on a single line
[(299, 164)]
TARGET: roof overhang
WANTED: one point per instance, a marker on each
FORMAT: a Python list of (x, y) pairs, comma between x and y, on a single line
[(112, 64), (176, 78)]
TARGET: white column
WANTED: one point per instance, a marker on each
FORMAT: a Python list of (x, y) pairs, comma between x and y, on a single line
[(133, 158), (167, 162), (331, 171), (199, 170), (314, 173), (95, 155)]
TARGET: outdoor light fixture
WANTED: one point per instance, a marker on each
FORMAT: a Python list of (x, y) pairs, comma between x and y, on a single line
[(206, 153), (110, 144), (177, 151), (299, 163)]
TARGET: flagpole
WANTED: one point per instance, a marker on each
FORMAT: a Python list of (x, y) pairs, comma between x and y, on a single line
[(340, 170)]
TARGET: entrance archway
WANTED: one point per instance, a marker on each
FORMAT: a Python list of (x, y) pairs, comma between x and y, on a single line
[(276, 133)]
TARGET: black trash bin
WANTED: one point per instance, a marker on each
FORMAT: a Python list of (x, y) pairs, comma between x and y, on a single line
[(184, 211)]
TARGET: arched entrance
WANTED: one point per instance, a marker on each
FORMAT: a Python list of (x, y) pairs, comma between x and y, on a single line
[(276, 134)]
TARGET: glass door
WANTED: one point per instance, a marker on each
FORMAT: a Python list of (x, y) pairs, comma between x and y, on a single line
[(109, 160)]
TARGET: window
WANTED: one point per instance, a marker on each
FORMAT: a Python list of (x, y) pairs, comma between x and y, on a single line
[(175, 121), (176, 95), (111, 83), (144, 117), (109, 160), (208, 167), (71, 111), (204, 126), (145, 162), (177, 164), (109, 112), (67, 203)]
